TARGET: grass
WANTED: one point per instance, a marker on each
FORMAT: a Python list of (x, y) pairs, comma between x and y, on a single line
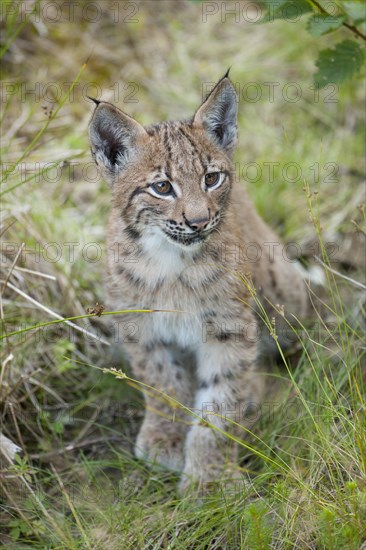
[(76, 484)]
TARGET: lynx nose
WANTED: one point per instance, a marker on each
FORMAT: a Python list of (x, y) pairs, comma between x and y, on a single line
[(198, 224)]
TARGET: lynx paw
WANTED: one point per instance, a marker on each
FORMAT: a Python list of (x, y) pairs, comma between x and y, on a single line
[(161, 449), (230, 483), (225, 480)]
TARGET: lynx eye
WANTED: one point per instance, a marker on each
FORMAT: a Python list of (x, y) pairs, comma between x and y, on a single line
[(212, 179), (162, 187)]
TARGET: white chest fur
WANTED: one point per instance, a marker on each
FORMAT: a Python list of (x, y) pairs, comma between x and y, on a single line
[(162, 259), (161, 266)]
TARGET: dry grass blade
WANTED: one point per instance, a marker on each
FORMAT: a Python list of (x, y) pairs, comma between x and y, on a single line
[(341, 275), (56, 316)]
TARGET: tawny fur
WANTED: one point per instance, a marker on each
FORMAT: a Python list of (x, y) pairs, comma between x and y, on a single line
[(205, 354)]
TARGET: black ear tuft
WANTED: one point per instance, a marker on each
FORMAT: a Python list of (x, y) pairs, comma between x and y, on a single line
[(113, 136), (226, 75), (95, 100), (218, 114)]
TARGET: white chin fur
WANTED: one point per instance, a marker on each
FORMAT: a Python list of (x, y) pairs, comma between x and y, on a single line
[(188, 246)]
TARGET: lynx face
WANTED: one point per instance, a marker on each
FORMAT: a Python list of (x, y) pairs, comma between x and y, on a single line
[(171, 181)]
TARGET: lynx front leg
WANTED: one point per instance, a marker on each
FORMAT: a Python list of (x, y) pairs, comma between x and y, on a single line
[(162, 434), (227, 386)]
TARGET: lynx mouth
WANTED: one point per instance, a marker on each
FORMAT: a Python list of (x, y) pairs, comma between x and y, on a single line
[(187, 240)]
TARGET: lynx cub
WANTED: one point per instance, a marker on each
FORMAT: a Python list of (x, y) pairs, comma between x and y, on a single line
[(176, 240)]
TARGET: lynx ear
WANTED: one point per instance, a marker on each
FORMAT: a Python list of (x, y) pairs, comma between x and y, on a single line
[(113, 136), (218, 113)]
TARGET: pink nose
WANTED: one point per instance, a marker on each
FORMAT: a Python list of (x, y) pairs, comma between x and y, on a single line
[(198, 224)]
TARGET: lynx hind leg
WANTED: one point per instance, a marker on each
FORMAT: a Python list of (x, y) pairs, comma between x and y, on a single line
[(161, 437), (287, 289)]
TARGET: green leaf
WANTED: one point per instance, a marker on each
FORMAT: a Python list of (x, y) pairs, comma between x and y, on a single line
[(57, 427), (289, 10), (355, 10), (14, 533), (338, 64), (320, 24)]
